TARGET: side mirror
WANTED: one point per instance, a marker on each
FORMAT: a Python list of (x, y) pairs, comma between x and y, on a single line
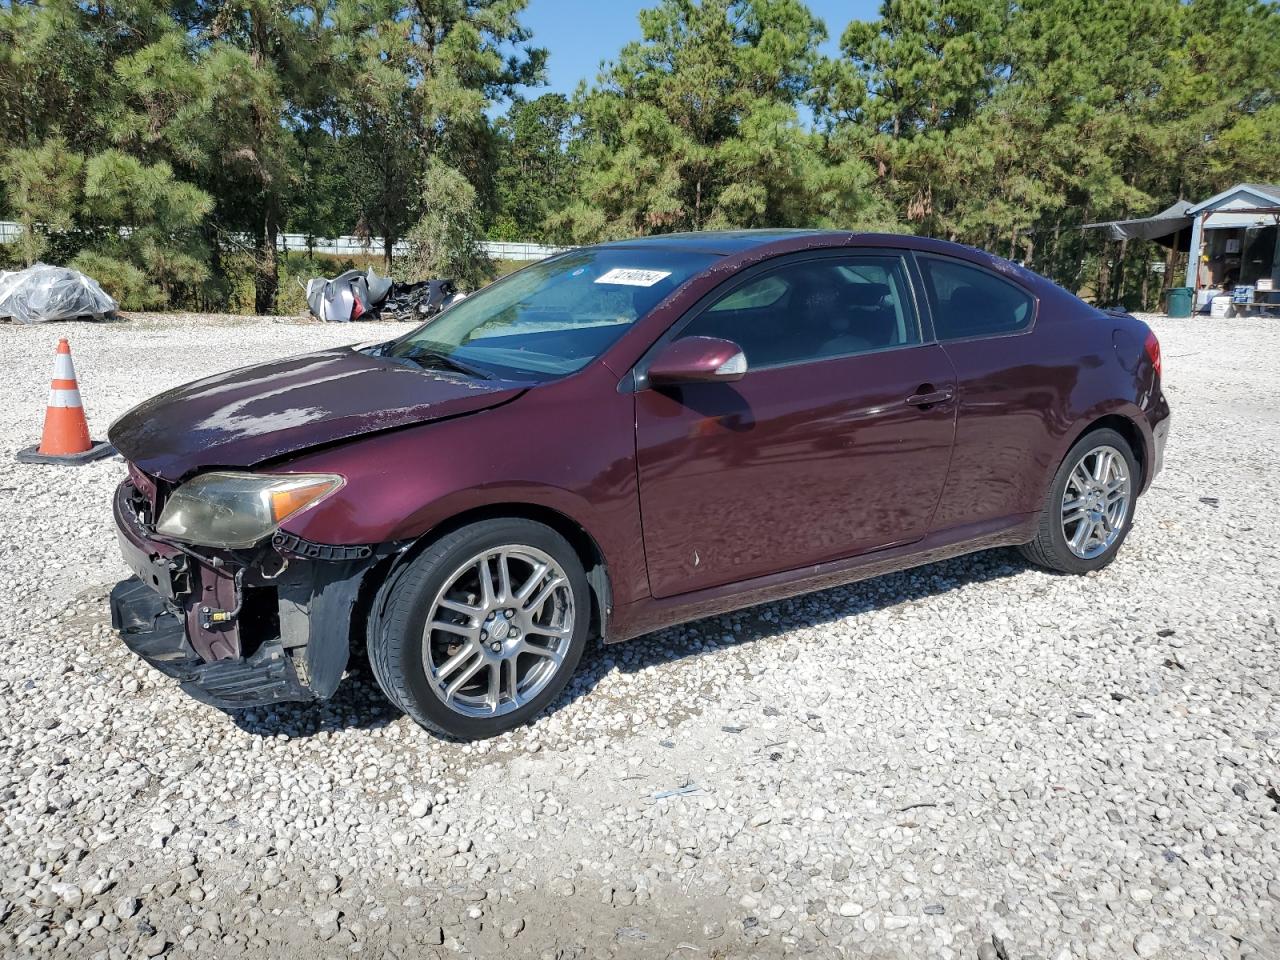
[(697, 360)]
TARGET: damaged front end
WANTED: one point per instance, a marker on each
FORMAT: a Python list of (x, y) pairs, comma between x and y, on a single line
[(236, 627)]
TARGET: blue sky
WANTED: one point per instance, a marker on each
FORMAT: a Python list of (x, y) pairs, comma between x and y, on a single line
[(578, 34)]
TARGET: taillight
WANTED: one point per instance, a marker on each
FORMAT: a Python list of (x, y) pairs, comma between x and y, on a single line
[(1153, 351)]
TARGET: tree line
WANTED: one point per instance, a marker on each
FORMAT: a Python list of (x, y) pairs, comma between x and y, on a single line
[(162, 147)]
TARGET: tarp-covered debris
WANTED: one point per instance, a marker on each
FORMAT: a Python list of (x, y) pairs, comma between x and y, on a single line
[(366, 296), (41, 292)]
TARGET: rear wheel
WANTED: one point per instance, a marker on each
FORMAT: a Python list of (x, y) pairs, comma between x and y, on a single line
[(483, 629), (1089, 509)]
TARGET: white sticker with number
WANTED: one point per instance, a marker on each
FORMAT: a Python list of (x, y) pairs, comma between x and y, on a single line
[(633, 278)]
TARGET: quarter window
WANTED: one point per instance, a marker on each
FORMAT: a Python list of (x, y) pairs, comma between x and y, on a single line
[(968, 302), (814, 310)]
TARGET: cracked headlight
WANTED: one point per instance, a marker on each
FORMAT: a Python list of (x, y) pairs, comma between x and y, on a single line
[(233, 510)]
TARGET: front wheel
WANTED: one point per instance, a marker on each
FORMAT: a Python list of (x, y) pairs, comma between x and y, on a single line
[(1089, 509), (483, 629)]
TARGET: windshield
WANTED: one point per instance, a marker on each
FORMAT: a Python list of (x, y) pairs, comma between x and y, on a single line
[(551, 318)]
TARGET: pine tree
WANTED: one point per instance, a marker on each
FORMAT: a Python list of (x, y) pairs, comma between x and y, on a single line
[(533, 179), (461, 49), (697, 126)]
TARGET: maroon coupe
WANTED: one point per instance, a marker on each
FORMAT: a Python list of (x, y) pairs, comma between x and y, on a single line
[(614, 440)]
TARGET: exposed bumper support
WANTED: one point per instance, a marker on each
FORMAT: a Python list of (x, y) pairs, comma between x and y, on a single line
[(152, 629)]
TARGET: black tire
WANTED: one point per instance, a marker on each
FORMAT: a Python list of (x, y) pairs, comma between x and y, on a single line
[(397, 627), (1050, 548)]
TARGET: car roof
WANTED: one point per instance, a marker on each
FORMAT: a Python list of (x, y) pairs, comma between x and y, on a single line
[(718, 242), (727, 243)]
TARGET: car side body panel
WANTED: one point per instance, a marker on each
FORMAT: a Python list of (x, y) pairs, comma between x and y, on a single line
[(792, 465)]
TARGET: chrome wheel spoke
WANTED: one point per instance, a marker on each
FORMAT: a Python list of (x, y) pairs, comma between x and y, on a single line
[(1101, 464), (464, 677), (461, 629), (1081, 536), (457, 660), (540, 651), (531, 584), (560, 633), (511, 675), (504, 578), (487, 596), (466, 609), (534, 605), (494, 694)]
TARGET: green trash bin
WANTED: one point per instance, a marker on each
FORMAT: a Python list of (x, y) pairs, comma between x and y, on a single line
[(1178, 303)]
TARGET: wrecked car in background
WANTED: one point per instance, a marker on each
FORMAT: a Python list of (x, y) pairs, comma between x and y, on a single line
[(614, 440), (357, 295), (42, 293)]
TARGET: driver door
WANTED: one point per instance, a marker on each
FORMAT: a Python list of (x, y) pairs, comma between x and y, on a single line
[(822, 451)]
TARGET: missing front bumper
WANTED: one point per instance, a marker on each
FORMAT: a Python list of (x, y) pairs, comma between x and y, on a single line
[(290, 633), (151, 627)]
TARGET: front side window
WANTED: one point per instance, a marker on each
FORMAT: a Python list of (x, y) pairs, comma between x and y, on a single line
[(968, 302), (814, 310), (551, 318)]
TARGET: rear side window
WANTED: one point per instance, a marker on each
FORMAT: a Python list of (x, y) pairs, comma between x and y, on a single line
[(968, 302)]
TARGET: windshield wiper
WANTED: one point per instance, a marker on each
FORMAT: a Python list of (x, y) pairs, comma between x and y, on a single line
[(430, 359)]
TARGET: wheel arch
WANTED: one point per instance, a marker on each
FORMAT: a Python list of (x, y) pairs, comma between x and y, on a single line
[(1127, 423), (379, 579), (1128, 429)]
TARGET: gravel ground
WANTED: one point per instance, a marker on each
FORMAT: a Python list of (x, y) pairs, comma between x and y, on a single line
[(973, 759)]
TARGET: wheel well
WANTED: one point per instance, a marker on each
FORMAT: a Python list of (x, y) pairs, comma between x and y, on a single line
[(583, 544), (1129, 430)]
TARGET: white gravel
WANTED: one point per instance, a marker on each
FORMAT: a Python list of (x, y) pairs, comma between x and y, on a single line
[(975, 759)]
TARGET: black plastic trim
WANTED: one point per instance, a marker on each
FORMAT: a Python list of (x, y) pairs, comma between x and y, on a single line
[(293, 545)]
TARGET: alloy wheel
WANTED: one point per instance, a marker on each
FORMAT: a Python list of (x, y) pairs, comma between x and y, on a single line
[(1095, 503), (498, 631)]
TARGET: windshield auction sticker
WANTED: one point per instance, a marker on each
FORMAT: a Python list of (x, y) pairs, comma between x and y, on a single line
[(633, 278)]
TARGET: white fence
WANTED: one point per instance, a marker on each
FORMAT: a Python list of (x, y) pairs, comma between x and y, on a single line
[(360, 247), (356, 246)]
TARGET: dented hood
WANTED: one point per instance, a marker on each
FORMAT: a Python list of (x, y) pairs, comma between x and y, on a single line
[(247, 416)]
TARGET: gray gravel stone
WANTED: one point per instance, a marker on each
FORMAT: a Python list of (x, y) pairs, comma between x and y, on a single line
[(1146, 945)]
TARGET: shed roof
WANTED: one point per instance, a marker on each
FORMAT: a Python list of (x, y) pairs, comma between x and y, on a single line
[(1268, 193)]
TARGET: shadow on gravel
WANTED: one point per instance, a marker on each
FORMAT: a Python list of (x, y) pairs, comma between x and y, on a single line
[(359, 703), (808, 610)]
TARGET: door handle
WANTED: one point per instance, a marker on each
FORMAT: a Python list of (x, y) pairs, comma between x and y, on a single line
[(927, 395)]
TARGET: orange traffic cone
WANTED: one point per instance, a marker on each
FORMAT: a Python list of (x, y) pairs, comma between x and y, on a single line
[(66, 433)]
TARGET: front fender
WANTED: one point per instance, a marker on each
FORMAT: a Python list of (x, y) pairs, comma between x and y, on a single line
[(567, 447)]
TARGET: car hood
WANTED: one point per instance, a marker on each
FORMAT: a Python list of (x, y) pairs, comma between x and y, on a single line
[(247, 416)]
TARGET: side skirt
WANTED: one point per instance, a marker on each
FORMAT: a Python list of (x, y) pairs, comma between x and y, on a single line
[(645, 616)]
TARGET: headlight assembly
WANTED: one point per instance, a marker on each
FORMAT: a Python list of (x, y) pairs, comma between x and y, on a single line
[(234, 510)]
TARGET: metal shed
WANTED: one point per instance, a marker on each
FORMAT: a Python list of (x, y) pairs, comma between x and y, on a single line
[(1233, 238)]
